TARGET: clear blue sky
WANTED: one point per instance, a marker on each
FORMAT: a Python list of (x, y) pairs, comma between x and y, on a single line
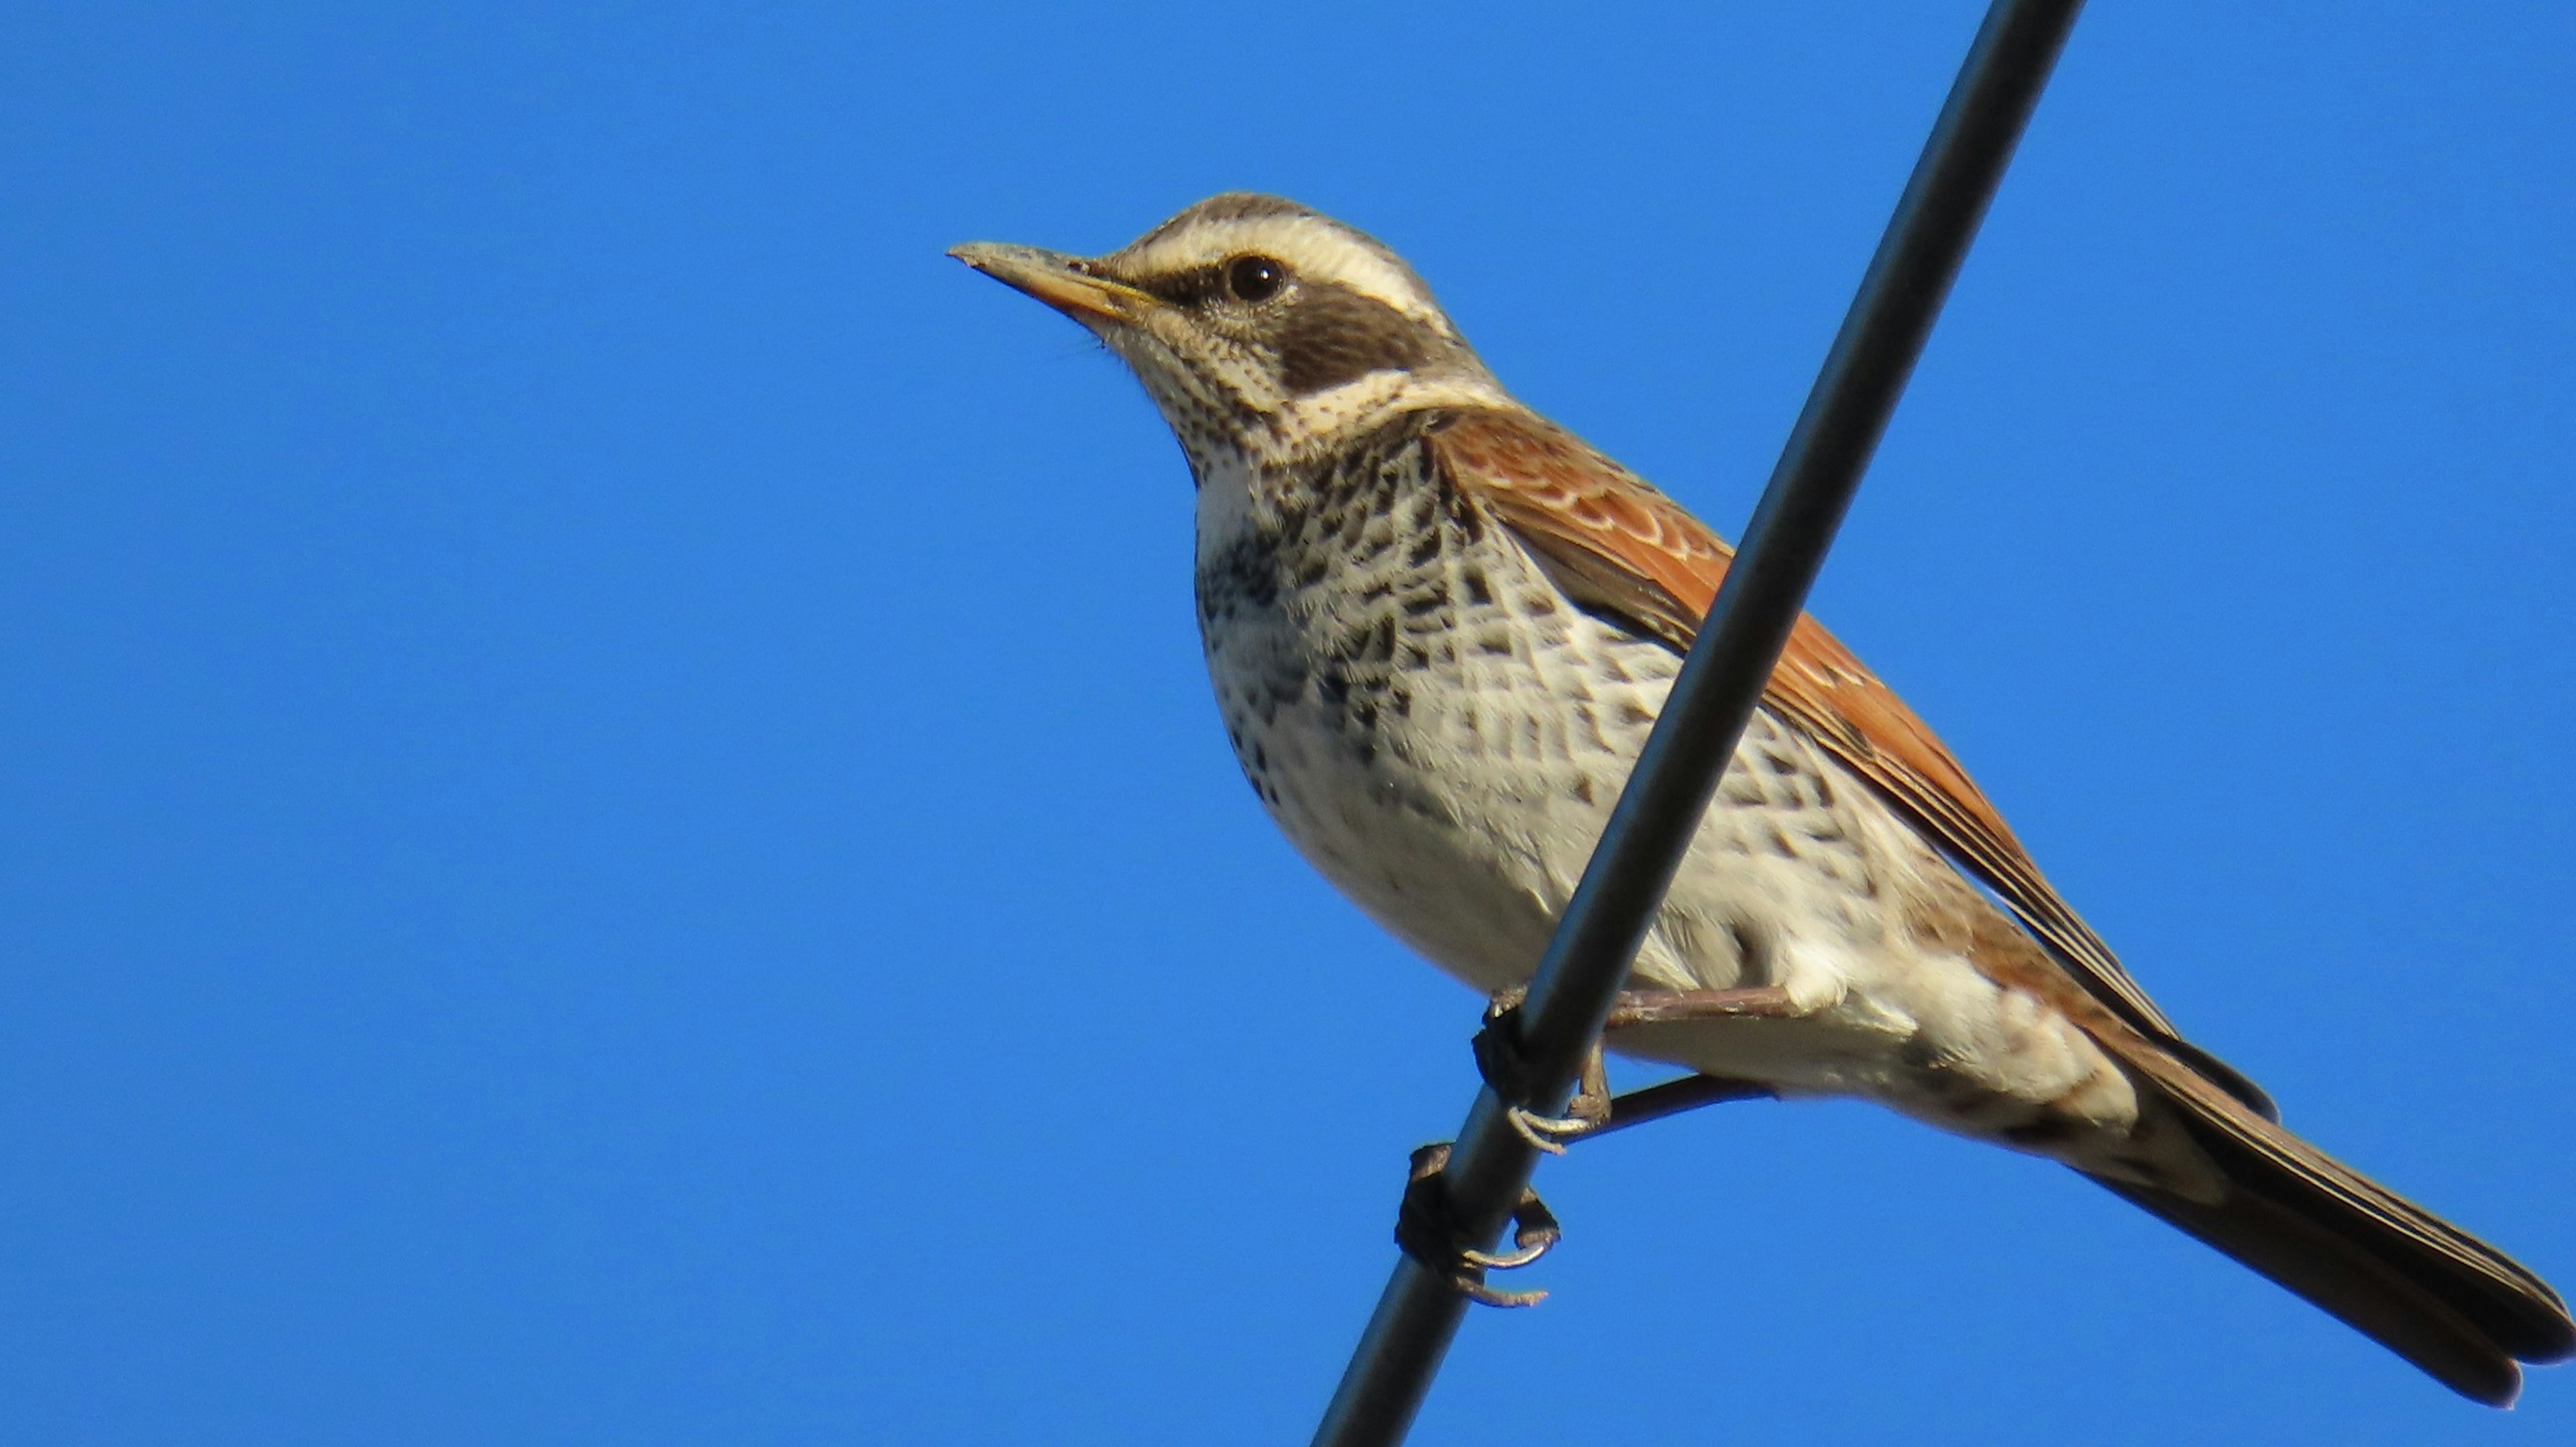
[(610, 829)]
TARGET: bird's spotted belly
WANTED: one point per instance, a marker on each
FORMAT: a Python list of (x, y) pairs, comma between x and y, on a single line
[(1458, 799)]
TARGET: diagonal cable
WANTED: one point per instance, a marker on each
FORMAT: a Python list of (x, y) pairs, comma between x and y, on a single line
[(1719, 685)]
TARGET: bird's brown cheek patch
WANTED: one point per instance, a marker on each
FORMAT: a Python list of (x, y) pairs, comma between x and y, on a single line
[(1333, 335)]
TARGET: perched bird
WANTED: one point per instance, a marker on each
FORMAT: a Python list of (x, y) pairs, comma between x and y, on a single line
[(1439, 627)]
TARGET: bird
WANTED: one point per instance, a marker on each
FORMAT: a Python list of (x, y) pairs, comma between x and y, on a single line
[(1439, 627)]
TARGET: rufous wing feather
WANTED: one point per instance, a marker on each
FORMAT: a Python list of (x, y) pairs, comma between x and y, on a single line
[(1621, 549)]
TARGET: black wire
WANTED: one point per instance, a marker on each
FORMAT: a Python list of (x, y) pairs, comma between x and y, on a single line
[(1719, 684)]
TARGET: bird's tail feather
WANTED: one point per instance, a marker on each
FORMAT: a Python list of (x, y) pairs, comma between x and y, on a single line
[(2456, 1307)]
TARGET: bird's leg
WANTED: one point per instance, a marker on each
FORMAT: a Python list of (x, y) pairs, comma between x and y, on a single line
[(1672, 1097), (1661, 1007), (1430, 1235), (1592, 1110)]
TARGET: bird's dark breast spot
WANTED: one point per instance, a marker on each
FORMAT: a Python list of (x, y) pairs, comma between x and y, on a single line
[(1377, 643), (1243, 578), (1334, 335)]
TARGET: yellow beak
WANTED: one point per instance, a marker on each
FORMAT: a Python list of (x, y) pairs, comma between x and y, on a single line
[(1058, 280)]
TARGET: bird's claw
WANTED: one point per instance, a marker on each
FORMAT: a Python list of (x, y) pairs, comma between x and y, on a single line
[(1427, 1233), (1548, 1132)]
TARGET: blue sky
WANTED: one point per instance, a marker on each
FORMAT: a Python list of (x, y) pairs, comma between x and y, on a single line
[(610, 828)]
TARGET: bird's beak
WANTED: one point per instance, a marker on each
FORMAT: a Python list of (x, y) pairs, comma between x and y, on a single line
[(1063, 282)]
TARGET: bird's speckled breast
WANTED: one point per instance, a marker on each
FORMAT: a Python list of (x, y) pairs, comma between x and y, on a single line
[(1442, 734)]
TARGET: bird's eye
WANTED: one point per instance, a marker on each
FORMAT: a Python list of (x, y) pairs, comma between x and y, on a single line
[(1255, 278)]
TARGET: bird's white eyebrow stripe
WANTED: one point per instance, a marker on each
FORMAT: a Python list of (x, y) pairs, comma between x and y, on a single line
[(1311, 245)]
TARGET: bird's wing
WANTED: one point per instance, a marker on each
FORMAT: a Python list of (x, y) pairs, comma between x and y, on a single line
[(1620, 549)]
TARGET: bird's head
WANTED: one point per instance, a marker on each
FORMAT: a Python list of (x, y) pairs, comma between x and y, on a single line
[(1258, 326)]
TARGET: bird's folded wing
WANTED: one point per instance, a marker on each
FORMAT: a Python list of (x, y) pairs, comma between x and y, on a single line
[(1620, 549)]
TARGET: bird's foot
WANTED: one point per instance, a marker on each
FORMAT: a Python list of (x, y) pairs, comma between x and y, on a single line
[(1426, 1231), (1499, 1060), (1592, 1111)]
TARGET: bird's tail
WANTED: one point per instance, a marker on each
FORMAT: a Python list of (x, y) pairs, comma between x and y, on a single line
[(2428, 1291)]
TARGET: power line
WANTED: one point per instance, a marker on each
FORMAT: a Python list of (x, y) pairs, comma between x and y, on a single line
[(1720, 682)]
